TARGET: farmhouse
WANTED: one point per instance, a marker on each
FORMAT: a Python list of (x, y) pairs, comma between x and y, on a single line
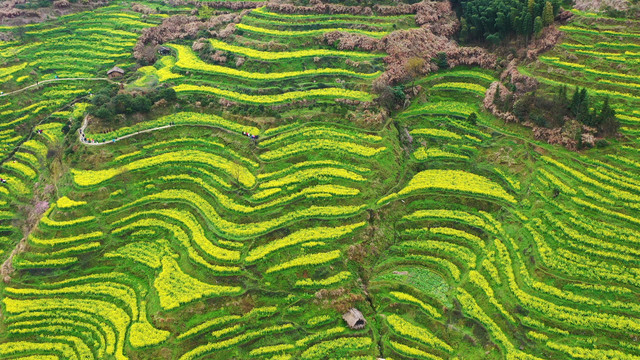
[(115, 72), (354, 319)]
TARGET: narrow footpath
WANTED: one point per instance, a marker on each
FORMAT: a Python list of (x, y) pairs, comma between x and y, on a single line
[(83, 138), (54, 80)]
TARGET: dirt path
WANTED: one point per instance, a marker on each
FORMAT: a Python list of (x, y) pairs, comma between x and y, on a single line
[(54, 80), (84, 140)]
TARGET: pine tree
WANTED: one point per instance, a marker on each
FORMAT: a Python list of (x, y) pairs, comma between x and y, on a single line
[(503, 22), (464, 29), (608, 124), (584, 96), (575, 101), (527, 25), (556, 7), (582, 109), (582, 114), (532, 7), (537, 25), (606, 114), (547, 14), (514, 20), (562, 95)]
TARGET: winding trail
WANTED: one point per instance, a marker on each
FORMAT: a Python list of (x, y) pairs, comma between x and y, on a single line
[(84, 140), (54, 80)]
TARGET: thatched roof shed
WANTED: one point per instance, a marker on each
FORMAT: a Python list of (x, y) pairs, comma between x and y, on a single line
[(354, 319), (115, 72)]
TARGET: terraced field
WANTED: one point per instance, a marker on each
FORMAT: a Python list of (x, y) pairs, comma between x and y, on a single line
[(80, 47), (228, 234), (305, 70), (508, 260), (600, 54)]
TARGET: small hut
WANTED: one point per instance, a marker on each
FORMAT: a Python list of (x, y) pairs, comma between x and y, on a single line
[(115, 72), (163, 50), (354, 319)]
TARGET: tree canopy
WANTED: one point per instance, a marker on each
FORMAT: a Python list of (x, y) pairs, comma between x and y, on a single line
[(493, 20)]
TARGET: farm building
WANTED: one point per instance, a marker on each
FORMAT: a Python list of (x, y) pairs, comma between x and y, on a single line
[(354, 319), (163, 50), (115, 72)]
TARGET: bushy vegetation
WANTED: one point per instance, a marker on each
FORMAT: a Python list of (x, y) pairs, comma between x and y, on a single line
[(552, 112), (107, 102)]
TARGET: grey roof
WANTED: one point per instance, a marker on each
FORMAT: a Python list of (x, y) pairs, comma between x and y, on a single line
[(354, 319), (115, 69)]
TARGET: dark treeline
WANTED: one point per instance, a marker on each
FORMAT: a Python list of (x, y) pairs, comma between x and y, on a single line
[(493, 20)]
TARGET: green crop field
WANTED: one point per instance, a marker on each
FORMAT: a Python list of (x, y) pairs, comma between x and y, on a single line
[(225, 180)]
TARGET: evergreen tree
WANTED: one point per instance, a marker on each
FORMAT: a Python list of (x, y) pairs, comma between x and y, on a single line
[(527, 25), (537, 25), (494, 39), (464, 29), (547, 14), (556, 7), (562, 96), (582, 112), (608, 123), (515, 20), (575, 101), (607, 114), (441, 60), (584, 96), (580, 98), (531, 6), (501, 24)]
